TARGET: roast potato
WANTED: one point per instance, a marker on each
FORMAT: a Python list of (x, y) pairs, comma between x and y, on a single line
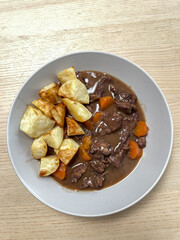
[(44, 106), (67, 75), (74, 90), (73, 128), (34, 123), (58, 113), (48, 165), (50, 93), (67, 150), (39, 148), (54, 137), (79, 112)]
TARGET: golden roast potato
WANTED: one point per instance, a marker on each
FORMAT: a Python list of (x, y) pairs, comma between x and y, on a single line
[(73, 128), (54, 137), (50, 93), (74, 90), (39, 148), (77, 110), (48, 165), (67, 150), (34, 123), (58, 113), (67, 75), (44, 106)]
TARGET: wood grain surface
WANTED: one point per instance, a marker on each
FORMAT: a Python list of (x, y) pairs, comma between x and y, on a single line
[(35, 32)]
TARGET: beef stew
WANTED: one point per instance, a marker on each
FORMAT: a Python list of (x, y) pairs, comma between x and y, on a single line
[(107, 159)]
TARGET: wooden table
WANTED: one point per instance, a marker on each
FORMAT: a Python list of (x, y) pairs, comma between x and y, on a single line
[(35, 32)]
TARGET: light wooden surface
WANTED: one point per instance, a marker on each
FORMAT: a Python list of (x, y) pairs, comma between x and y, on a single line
[(35, 32)]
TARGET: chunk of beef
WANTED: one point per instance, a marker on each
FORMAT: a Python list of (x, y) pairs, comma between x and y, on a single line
[(109, 124), (114, 122), (97, 90), (128, 97), (125, 102), (141, 141), (94, 181), (115, 160), (123, 135), (77, 172), (101, 148), (126, 107), (98, 156), (129, 122), (98, 166)]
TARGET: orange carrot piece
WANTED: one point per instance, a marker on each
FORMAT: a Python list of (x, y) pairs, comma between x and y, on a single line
[(86, 142), (84, 155), (141, 129), (88, 124), (134, 150), (105, 102), (60, 173), (97, 117)]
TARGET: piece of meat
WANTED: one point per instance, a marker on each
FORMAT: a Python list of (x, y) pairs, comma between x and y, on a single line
[(94, 181), (128, 97), (129, 122), (98, 88), (126, 102), (101, 147), (141, 141), (114, 122), (109, 124), (126, 107), (98, 166), (115, 160), (77, 172), (98, 91)]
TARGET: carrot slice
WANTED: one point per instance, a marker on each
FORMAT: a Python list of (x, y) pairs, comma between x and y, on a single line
[(134, 150), (86, 142), (105, 102), (141, 129), (88, 124), (97, 117), (84, 155), (60, 173)]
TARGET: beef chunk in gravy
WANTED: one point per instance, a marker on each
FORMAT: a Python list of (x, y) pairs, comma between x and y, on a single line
[(98, 166), (77, 172), (109, 124), (126, 107), (94, 181), (141, 141)]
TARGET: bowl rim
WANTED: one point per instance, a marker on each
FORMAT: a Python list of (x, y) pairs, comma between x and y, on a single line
[(44, 201)]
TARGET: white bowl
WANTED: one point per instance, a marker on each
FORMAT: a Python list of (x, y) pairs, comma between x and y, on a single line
[(123, 194)]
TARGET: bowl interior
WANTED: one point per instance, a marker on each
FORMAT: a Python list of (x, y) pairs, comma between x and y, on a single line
[(132, 188)]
